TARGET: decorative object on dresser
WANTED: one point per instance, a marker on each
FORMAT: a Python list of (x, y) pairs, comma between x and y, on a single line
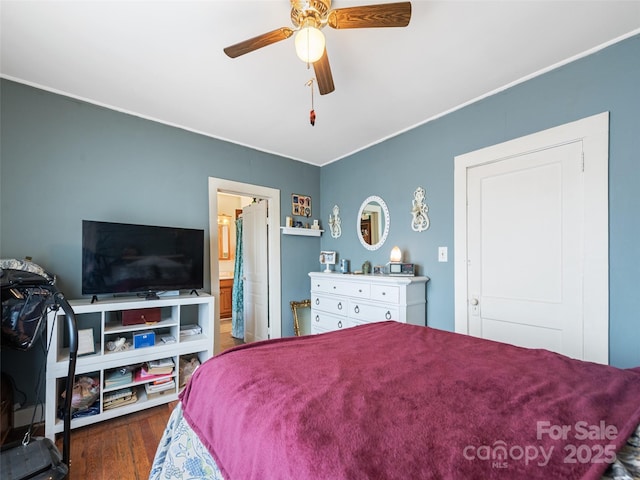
[(341, 301), (327, 258), (366, 267), (120, 393), (345, 266), (396, 267)]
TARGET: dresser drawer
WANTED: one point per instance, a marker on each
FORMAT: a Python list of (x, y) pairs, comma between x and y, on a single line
[(330, 304), (326, 285), (385, 293), (358, 290), (367, 312), (324, 322), (341, 287)]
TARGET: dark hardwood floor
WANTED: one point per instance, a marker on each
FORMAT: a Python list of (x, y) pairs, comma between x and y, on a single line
[(122, 448)]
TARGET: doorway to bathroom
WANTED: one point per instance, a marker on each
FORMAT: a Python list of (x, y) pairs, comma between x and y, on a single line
[(263, 305)]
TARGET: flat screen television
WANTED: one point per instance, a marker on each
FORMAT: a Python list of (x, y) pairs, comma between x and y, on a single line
[(120, 258)]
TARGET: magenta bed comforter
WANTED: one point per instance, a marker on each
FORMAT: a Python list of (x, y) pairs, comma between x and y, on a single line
[(395, 401)]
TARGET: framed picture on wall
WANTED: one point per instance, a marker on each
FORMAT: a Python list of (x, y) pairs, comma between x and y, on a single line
[(300, 205)]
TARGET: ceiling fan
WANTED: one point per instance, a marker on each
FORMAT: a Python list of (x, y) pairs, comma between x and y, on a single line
[(310, 16)]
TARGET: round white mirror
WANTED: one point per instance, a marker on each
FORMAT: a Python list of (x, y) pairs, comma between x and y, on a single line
[(373, 223)]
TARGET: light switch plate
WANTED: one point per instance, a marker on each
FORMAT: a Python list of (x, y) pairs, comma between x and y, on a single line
[(442, 254)]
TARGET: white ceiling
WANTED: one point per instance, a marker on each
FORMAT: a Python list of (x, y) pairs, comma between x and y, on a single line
[(163, 60)]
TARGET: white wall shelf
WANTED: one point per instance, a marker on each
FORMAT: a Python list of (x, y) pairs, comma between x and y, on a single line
[(307, 232)]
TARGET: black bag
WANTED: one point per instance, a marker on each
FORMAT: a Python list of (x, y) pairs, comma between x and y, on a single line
[(24, 311), (26, 297)]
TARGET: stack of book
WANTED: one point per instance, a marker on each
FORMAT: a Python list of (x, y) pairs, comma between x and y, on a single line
[(164, 366), (117, 377), (159, 386), (119, 398)]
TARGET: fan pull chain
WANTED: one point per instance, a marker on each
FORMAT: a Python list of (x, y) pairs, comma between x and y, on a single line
[(312, 113)]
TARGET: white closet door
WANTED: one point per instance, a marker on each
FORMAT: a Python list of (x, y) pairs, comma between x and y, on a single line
[(525, 252)]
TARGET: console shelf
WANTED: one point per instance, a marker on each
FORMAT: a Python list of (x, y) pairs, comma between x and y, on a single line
[(104, 320)]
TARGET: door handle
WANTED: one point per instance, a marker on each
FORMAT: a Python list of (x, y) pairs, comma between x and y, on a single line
[(475, 306)]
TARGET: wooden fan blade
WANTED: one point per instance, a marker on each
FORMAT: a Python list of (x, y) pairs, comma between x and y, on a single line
[(260, 41), (323, 74), (371, 16)]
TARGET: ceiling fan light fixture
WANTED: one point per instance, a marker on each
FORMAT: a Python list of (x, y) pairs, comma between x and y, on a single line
[(310, 44)]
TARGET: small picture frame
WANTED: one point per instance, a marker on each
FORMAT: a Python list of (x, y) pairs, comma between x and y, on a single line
[(86, 343), (378, 269), (300, 205)]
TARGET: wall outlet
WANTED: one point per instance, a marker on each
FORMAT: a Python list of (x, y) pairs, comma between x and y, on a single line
[(442, 254)]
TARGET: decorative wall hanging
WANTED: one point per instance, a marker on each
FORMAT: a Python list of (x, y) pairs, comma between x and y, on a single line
[(300, 205), (334, 222), (420, 221)]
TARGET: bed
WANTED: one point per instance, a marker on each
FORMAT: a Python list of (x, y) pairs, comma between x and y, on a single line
[(394, 401)]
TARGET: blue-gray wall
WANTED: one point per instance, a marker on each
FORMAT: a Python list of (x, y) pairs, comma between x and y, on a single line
[(62, 161), (606, 81)]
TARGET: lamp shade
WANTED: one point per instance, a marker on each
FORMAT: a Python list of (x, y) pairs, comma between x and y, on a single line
[(309, 44), (396, 254)]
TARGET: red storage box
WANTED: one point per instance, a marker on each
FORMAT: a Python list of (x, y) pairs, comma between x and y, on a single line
[(140, 316)]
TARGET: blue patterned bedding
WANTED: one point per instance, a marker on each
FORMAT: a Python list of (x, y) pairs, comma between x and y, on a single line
[(181, 455)]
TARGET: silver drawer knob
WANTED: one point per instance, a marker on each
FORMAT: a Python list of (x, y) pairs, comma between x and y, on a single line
[(387, 315), (317, 318), (339, 305), (356, 309), (340, 324)]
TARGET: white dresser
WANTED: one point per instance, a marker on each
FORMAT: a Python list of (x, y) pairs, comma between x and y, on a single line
[(341, 301)]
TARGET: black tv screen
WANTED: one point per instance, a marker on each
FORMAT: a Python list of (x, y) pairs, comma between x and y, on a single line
[(127, 258)]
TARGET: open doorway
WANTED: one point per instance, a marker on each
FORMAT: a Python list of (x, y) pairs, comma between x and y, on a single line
[(230, 262), (220, 268)]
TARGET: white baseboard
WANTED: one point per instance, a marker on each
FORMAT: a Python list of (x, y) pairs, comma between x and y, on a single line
[(24, 415)]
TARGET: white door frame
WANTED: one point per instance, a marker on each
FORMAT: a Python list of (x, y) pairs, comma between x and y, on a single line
[(272, 196), (593, 132)]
